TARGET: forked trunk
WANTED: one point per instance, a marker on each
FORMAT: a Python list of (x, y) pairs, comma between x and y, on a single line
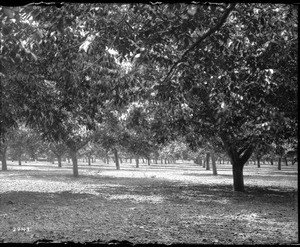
[(74, 162), (238, 157)]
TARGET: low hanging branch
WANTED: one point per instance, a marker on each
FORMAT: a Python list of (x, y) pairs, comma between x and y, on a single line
[(203, 37)]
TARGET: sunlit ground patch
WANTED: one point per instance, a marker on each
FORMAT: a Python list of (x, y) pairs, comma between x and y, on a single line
[(49, 187), (214, 200), (137, 198)]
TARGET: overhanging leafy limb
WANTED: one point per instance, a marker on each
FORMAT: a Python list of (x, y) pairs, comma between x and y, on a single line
[(204, 36)]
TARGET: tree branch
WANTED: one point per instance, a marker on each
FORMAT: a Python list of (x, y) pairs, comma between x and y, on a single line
[(247, 154), (248, 142), (204, 36)]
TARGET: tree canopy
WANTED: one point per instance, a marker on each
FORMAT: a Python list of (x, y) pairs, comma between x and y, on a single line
[(219, 73)]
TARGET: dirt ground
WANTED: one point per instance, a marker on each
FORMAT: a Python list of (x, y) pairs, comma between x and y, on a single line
[(161, 203)]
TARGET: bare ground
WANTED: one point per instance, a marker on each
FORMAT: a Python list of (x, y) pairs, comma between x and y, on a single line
[(173, 203)]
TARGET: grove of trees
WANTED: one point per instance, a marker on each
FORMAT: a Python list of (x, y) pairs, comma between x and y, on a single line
[(150, 81)]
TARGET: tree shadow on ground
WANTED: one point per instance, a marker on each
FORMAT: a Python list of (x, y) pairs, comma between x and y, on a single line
[(20, 198), (256, 176), (170, 192), (57, 176), (173, 191)]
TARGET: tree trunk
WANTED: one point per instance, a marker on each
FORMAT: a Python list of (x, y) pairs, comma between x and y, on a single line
[(238, 158), (137, 162), (200, 161), (272, 162), (196, 161), (121, 161), (286, 161), (130, 160), (258, 162), (204, 163), (279, 163), (238, 177), (117, 159), (3, 159), (148, 162), (107, 157), (59, 160), (89, 160), (74, 162), (207, 161), (20, 161), (213, 162)]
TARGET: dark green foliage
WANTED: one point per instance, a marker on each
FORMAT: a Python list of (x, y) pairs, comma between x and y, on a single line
[(225, 74)]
